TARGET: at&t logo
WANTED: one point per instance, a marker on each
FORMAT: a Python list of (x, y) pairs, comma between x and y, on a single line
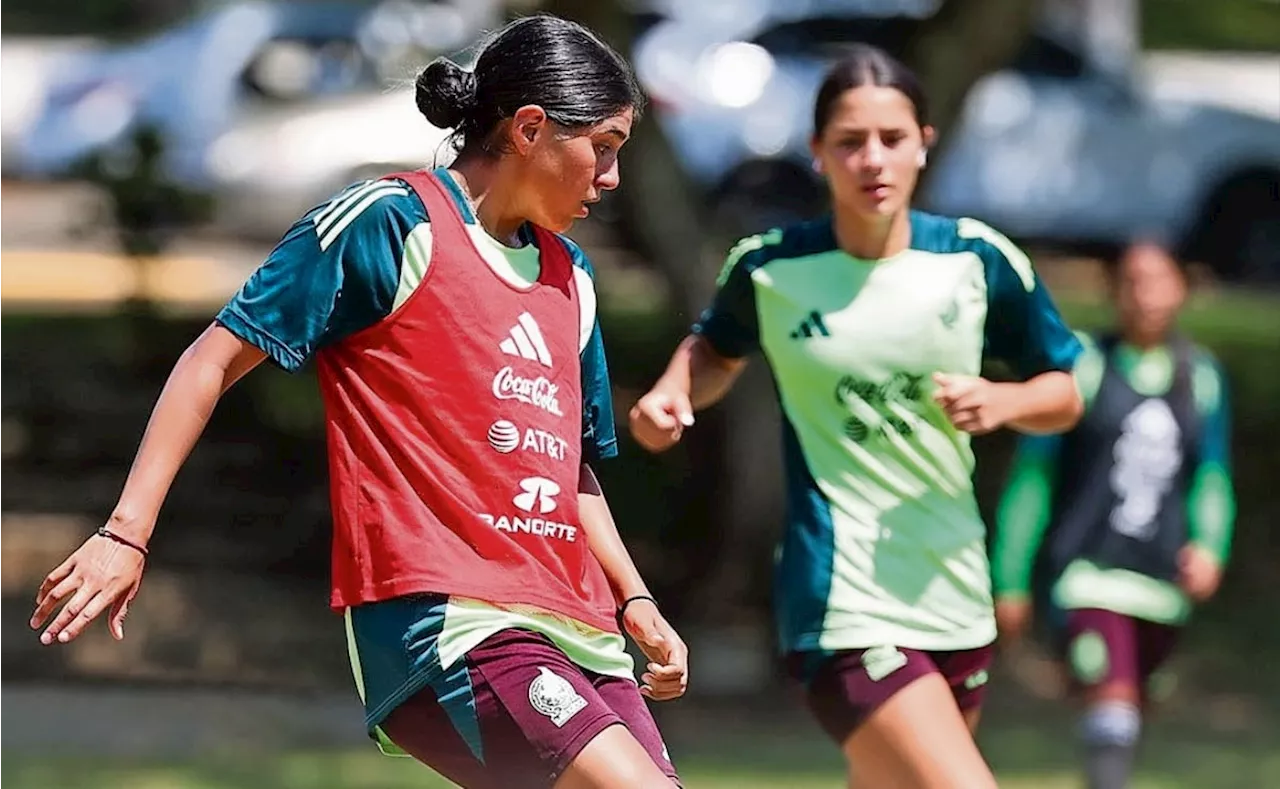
[(506, 438)]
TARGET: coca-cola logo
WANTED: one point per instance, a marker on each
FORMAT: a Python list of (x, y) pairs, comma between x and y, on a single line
[(538, 392)]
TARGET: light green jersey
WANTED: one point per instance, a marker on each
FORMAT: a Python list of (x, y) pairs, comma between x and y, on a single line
[(884, 543)]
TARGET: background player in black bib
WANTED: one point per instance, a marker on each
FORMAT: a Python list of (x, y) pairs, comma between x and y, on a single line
[(1112, 532)]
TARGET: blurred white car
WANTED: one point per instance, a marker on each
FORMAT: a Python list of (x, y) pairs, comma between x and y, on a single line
[(272, 168), (28, 67), (1053, 149)]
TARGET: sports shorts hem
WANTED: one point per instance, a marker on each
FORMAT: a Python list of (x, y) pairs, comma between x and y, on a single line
[(561, 761), (407, 690)]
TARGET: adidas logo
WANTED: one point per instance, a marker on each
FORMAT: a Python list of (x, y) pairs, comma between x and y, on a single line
[(812, 325), (525, 340)]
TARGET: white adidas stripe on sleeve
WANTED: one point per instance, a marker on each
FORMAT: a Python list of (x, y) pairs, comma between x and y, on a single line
[(333, 220)]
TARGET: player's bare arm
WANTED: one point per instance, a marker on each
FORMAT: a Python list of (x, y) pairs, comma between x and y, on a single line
[(1047, 403), (696, 377), (667, 673), (104, 573)]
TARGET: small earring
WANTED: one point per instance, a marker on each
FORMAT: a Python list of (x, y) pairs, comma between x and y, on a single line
[(817, 166), (923, 158)]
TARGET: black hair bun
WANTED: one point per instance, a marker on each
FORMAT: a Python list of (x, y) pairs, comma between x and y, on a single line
[(445, 93)]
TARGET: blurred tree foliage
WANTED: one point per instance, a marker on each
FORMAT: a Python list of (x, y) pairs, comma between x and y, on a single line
[(107, 18), (1245, 25), (146, 211)]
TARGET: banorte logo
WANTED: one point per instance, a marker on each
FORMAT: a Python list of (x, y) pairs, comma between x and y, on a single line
[(536, 499), (538, 494), (538, 392)]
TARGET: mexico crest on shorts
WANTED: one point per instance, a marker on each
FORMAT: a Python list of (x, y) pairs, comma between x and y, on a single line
[(553, 696)]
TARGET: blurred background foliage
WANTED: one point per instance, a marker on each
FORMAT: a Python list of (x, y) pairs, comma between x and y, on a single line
[(1221, 25)]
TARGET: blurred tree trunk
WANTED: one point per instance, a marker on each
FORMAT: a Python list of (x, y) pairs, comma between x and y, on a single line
[(147, 212), (959, 45)]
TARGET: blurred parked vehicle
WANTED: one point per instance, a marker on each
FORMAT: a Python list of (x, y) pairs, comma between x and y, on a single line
[(1055, 149), (197, 81), (266, 107), (26, 66), (272, 168)]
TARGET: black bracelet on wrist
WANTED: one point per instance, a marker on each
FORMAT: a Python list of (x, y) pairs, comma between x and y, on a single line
[(103, 531), (622, 609)]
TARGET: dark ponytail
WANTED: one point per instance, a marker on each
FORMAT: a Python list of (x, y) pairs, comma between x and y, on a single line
[(544, 60), (446, 94)]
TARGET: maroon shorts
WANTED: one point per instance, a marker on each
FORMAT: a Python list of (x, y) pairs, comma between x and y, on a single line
[(1104, 647), (522, 712), (845, 687)]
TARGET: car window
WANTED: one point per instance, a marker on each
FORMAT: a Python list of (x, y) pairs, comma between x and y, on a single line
[(1045, 57), (827, 36), (299, 69)]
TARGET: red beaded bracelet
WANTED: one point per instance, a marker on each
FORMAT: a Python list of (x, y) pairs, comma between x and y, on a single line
[(110, 535)]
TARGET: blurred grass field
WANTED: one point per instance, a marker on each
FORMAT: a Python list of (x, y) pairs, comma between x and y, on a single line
[(1029, 755)]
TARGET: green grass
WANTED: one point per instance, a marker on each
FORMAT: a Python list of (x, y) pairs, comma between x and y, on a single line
[(363, 770), (1026, 757)]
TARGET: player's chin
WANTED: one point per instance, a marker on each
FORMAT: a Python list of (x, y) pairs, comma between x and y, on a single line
[(564, 220)]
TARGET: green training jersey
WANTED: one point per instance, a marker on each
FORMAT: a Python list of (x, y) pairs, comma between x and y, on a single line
[(884, 544)]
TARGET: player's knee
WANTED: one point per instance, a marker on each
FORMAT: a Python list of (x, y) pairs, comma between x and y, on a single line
[(1111, 723)]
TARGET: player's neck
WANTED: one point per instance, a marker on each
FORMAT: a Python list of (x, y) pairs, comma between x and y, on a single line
[(872, 238), (479, 181), (1144, 341)]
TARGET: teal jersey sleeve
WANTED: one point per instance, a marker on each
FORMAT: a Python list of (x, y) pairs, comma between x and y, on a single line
[(599, 433), (1023, 514), (1211, 505), (1024, 328), (731, 324), (1090, 367), (334, 273)]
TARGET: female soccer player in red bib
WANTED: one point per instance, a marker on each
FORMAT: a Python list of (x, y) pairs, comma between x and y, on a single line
[(875, 322), (481, 576)]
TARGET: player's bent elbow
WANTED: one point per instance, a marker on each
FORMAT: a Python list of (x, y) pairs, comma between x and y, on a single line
[(1072, 410)]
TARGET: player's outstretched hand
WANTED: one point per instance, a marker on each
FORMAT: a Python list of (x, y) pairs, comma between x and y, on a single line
[(974, 405), (667, 673), (658, 420), (1198, 573), (101, 575)]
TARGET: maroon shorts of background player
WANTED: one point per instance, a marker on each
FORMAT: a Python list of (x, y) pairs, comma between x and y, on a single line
[(1125, 650), (845, 687)]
